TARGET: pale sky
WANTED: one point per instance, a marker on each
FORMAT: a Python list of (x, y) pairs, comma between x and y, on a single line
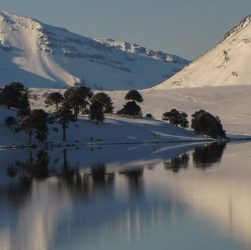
[(187, 28)]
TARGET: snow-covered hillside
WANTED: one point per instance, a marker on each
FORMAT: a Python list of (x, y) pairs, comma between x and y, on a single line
[(231, 103), (226, 64), (115, 130), (40, 55)]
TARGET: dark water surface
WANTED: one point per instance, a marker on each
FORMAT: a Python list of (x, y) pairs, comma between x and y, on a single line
[(139, 197)]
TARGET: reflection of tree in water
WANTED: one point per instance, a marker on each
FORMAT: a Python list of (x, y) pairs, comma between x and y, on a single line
[(37, 169), (11, 170), (100, 177), (134, 177), (203, 157), (207, 156), (82, 184), (69, 179), (177, 163), (69, 174), (98, 173), (16, 194)]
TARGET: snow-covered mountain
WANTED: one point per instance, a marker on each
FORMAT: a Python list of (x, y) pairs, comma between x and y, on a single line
[(226, 64), (40, 55)]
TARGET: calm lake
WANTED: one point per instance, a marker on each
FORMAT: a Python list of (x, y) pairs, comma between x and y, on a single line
[(177, 196)]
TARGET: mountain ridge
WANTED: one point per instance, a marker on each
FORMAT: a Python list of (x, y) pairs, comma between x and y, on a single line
[(225, 64), (41, 55), (245, 21)]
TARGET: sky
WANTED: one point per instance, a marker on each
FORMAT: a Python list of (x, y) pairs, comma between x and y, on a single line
[(187, 28)]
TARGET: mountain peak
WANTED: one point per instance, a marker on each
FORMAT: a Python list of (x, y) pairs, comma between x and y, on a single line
[(243, 24), (41, 55), (7, 16), (228, 63)]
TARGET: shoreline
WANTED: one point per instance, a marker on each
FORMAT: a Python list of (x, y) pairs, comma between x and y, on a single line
[(97, 144)]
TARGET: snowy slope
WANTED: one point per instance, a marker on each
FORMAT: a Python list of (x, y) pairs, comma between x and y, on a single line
[(231, 103), (114, 130), (40, 55), (226, 64)]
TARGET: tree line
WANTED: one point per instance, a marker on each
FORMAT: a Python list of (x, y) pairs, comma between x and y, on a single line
[(202, 122), (81, 100), (68, 106)]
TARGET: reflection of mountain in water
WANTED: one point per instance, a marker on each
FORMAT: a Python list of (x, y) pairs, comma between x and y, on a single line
[(42, 197), (114, 156), (44, 207), (220, 195), (47, 203)]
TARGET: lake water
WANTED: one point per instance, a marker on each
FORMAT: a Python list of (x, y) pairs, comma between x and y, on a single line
[(127, 197)]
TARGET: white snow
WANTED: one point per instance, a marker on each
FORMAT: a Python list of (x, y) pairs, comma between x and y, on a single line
[(115, 130), (231, 103), (226, 64), (40, 55)]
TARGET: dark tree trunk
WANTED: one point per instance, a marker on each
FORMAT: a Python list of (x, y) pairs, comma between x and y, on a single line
[(30, 135), (76, 113), (64, 132), (65, 161), (31, 157)]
